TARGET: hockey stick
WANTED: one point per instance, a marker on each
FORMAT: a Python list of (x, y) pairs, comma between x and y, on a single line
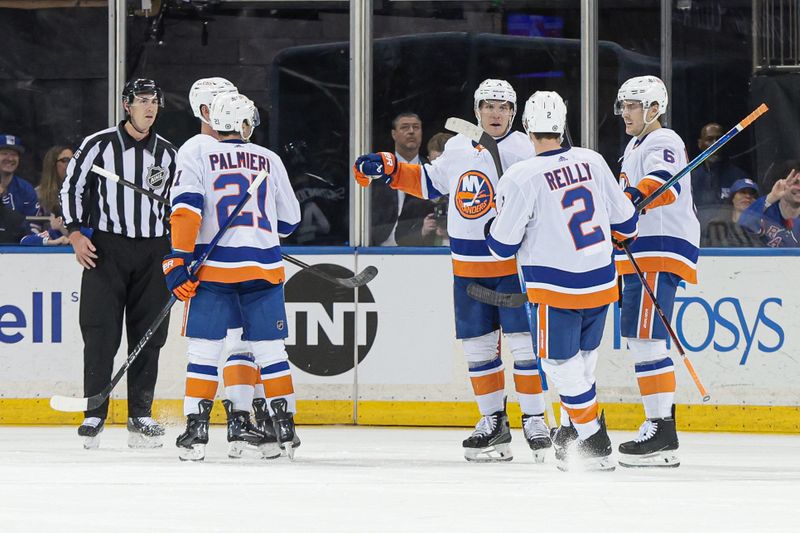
[(497, 299), (703, 392), (66, 403), (694, 163), (356, 281), (116, 179), (476, 134), (360, 279)]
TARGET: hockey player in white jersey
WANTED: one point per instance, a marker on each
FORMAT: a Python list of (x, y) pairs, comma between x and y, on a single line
[(467, 173), (242, 277), (557, 212), (666, 251), (240, 373)]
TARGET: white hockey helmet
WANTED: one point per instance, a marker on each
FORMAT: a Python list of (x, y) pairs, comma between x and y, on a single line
[(648, 90), (203, 92), (545, 112), (491, 89), (230, 111)]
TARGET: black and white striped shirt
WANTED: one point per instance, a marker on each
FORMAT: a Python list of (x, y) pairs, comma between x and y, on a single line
[(90, 200)]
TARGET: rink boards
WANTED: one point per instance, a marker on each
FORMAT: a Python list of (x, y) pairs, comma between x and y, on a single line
[(738, 326)]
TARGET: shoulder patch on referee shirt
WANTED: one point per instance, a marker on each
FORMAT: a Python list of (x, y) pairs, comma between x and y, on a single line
[(155, 176)]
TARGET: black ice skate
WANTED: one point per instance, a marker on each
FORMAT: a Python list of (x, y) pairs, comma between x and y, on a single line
[(90, 430), (269, 446), (283, 421), (192, 442), (538, 436), (592, 454), (489, 442), (563, 437), (241, 432), (654, 447), (144, 432)]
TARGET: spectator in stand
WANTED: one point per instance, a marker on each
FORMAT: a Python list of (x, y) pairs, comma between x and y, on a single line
[(775, 218), (712, 180), (436, 144), (54, 170), (16, 194), (725, 231), (390, 207)]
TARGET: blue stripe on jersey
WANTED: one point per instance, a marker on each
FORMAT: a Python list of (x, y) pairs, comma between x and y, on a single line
[(285, 229), (191, 199), (502, 250), (228, 254), (647, 367), (242, 357), (433, 192), (570, 280), (274, 368), (494, 363), (664, 243), (664, 175), (533, 364), (580, 398), (208, 370), (628, 227), (476, 247)]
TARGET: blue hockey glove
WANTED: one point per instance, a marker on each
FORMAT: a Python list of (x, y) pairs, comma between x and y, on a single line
[(176, 273)]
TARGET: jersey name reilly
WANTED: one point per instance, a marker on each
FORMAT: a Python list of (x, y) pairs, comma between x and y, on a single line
[(246, 160), (565, 176)]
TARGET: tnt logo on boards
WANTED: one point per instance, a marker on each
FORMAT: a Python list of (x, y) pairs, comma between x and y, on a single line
[(20, 323), (475, 195), (323, 319)]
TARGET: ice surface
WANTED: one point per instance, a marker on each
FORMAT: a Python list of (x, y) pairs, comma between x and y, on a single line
[(348, 479)]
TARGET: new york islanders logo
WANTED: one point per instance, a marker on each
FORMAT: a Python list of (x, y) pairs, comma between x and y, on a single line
[(474, 194)]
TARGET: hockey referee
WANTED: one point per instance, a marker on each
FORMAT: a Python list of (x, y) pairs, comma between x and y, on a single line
[(120, 237)]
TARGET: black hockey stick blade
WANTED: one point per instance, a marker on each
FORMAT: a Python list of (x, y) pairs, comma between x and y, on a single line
[(498, 299), (359, 280), (476, 134)]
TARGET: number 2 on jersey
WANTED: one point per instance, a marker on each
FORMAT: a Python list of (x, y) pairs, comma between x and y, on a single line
[(229, 201), (579, 218)]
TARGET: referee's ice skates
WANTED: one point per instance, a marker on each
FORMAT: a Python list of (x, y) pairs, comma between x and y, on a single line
[(592, 454), (269, 446), (90, 430), (490, 441), (283, 421), (144, 432), (192, 442), (538, 436), (241, 432), (654, 447)]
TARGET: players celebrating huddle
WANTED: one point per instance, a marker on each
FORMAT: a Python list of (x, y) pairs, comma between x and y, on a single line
[(556, 214)]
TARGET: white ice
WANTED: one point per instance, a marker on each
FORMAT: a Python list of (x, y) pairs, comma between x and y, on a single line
[(354, 479)]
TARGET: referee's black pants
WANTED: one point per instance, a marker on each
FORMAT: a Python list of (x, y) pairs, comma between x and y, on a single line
[(127, 279)]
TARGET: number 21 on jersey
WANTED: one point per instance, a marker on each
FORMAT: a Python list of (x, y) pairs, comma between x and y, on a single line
[(238, 183)]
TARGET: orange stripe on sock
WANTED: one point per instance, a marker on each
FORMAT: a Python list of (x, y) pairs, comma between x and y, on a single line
[(657, 384), (582, 416), (239, 375), (541, 328), (528, 384), (281, 386), (647, 309), (201, 388), (489, 383)]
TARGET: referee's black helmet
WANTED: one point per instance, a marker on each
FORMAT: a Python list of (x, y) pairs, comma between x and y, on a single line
[(142, 86)]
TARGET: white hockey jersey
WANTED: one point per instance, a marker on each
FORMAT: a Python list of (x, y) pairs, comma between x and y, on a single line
[(211, 179), (557, 211), (468, 174), (669, 233)]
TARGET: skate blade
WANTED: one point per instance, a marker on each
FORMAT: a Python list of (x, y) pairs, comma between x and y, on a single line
[(539, 456), (91, 443), (137, 441), (236, 449), (651, 460), (196, 453), (498, 453), (593, 464), (270, 450), (289, 449)]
